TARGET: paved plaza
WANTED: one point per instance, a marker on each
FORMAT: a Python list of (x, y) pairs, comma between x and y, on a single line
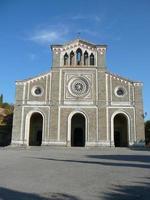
[(58, 173)]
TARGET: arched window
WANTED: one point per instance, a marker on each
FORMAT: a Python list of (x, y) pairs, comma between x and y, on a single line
[(66, 59), (91, 59), (71, 58), (85, 58), (79, 56)]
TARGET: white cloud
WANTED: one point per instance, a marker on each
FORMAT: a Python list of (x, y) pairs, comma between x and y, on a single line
[(45, 36), (66, 29), (49, 34), (95, 18)]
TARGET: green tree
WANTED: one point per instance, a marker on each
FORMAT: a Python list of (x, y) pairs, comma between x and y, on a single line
[(1, 99), (147, 132), (6, 119)]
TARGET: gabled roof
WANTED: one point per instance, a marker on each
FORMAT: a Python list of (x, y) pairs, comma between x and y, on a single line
[(79, 41), (116, 76), (33, 78)]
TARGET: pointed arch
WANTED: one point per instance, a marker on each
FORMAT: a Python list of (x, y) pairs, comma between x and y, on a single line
[(85, 58), (92, 59), (66, 59), (79, 56), (72, 58)]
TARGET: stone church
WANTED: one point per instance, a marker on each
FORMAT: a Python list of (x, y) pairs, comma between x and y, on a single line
[(79, 102)]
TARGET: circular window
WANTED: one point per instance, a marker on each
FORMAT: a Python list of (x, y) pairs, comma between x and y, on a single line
[(78, 86), (120, 91), (37, 91)]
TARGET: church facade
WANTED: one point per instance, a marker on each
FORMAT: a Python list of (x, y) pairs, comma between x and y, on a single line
[(78, 103)]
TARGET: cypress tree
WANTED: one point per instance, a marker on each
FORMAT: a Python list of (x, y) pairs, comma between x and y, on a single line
[(1, 99)]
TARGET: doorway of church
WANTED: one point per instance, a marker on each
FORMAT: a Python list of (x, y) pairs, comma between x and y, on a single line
[(120, 130), (36, 127), (78, 130)]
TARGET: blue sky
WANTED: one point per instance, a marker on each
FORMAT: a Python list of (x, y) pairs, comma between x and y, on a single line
[(28, 27)]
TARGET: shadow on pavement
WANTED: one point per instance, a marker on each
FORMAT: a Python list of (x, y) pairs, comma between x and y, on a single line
[(100, 160), (8, 194), (134, 158), (140, 191)]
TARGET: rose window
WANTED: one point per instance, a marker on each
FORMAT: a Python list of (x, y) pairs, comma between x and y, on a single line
[(78, 86)]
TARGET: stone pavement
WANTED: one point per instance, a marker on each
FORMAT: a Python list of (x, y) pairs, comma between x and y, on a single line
[(58, 173)]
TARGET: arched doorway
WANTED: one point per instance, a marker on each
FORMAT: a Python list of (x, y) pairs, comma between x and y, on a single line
[(120, 130), (35, 131), (78, 130)]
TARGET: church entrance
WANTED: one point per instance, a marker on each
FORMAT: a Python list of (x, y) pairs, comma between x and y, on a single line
[(36, 126), (120, 131), (78, 130)]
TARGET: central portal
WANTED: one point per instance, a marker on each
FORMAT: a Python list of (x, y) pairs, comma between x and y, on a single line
[(78, 130)]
